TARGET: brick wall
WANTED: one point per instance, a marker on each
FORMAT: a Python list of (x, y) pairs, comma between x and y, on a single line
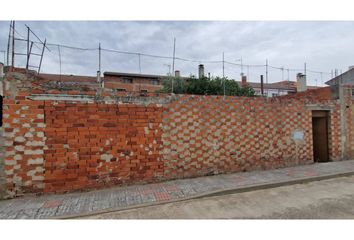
[(351, 131), (58, 145), (210, 135), (24, 145), (92, 145), (2, 166)]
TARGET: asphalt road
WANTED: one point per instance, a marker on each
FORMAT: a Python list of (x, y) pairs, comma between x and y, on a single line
[(327, 199)]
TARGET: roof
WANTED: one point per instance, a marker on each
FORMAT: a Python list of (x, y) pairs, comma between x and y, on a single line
[(67, 78), (284, 85), (137, 75), (346, 77), (289, 85)]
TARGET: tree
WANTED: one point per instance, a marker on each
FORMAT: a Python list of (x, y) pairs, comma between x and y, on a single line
[(205, 86)]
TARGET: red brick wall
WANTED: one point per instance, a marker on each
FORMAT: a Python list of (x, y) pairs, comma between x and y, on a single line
[(93, 145), (335, 149), (318, 94), (59, 146), (205, 135), (24, 142), (116, 82), (350, 120)]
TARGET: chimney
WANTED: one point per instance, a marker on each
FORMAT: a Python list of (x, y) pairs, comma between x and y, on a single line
[(177, 73), (301, 82), (201, 70), (1, 70), (243, 81)]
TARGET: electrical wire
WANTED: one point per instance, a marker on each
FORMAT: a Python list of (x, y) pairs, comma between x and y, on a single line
[(176, 58)]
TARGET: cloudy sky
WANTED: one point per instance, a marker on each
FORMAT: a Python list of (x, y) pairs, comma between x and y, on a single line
[(324, 46)]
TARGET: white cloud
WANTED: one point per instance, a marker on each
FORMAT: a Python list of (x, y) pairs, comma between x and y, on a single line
[(323, 45)]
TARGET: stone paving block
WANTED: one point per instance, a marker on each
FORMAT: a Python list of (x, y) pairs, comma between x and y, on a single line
[(87, 202)]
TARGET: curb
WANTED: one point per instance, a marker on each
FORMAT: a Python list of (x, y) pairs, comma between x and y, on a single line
[(211, 194)]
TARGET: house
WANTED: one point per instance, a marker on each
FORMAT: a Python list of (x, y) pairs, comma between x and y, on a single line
[(123, 82), (274, 89), (148, 83), (132, 82), (346, 78)]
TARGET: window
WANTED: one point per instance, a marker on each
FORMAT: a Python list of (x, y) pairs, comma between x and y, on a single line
[(121, 90), (275, 94), (127, 80), (143, 92), (155, 82), (352, 92)]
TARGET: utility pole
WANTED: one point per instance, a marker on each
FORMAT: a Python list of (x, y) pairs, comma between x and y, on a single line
[(267, 71), (288, 74), (267, 75), (28, 52), (173, 62), (241, 67), (139, 63), (262, 86), (282, 73), (305, 68), (223, 73), (223, 65), (174, 55), (99, 58), (59, 63), (8, 45), (13, 44)]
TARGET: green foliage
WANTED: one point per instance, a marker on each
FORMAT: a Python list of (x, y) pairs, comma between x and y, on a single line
[(205, 86)]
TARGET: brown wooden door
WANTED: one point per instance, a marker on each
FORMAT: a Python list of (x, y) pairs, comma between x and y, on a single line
[(320, 137)]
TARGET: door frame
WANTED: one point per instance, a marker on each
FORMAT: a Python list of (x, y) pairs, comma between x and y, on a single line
[(326, 115)]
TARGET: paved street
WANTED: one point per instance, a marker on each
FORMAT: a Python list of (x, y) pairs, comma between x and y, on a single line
[(123, 198), (326, 199)]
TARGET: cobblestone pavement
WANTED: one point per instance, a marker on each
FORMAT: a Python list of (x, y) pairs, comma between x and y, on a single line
[(79, 204)]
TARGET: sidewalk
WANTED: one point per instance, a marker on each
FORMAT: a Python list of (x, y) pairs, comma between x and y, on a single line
[(114, 199)]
